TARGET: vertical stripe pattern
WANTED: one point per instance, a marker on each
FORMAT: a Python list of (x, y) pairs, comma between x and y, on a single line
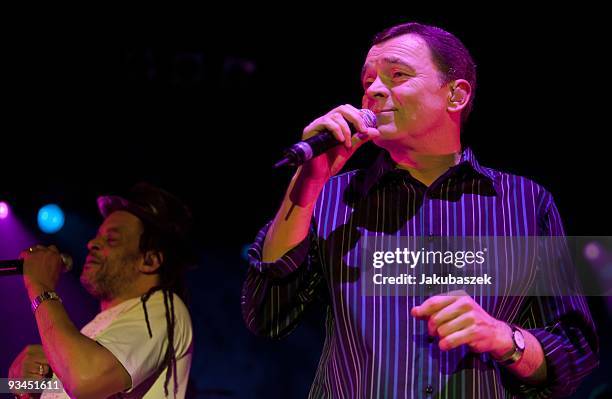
[(373, 347)]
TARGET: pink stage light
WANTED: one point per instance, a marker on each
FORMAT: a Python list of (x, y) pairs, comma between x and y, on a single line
[(4, 210)]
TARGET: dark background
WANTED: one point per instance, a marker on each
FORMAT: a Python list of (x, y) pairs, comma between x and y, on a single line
[(202, 104)]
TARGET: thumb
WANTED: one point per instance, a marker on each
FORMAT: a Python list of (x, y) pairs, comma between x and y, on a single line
[(361, 138)]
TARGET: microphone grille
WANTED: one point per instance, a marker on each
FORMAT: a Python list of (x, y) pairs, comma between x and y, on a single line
[(368, 117), (67, 261)]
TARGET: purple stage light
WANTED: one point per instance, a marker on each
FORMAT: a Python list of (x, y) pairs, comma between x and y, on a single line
[(592, 251)]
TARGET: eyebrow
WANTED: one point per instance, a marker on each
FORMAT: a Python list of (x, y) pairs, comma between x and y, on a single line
[(389, 60), (111, 230)]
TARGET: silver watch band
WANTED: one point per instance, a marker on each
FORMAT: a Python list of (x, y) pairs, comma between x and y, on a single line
[(47, 295)]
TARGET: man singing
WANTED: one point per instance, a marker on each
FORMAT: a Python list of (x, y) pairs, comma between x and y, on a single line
[(140, 344), (419, 80)]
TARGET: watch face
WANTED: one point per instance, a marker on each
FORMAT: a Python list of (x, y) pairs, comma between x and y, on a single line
[(519, 340)]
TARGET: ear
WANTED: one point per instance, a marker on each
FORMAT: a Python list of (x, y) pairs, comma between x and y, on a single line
[(152, 262), (460, 92)]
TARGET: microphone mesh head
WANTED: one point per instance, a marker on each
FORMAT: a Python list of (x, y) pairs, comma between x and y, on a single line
[(67, 261), (368, 117)]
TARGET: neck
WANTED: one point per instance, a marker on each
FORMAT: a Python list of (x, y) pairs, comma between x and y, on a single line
[(136, 290), (431, 154), (425, 167)]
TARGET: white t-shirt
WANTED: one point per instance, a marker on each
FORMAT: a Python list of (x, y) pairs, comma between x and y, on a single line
[(122, 330)]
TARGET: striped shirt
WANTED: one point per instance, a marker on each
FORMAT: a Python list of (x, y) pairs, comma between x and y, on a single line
[(373, 347)]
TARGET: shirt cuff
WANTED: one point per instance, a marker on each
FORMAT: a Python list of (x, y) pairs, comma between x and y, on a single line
[(560, 367)]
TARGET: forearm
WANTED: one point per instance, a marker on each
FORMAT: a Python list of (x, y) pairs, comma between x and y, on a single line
[(292, 221), (73, 357)]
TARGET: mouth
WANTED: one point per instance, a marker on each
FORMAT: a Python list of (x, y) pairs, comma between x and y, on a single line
[(90, 260), (382, 111)]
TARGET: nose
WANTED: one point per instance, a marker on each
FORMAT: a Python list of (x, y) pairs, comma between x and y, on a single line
[(377, 89), (93, 244)]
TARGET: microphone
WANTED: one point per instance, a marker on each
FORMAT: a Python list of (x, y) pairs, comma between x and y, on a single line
[(14, 267), (301, 152)]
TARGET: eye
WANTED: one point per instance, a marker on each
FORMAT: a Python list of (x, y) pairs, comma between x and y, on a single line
[(399, 74)]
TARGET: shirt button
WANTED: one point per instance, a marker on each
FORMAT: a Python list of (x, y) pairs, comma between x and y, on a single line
[(429, 389), (430, 339)]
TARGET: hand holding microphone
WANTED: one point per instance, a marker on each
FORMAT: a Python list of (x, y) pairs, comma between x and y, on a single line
[(320, 152), (42, 266)]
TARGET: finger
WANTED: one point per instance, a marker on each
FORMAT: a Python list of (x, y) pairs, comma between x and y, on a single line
[(432, 305), (321, 124), (44, 368), (353, 115), (34, 374), (27, 252), (456, 339), (336, 130), (457, 324), (30, 370), (446, 314), (37, 359), (346, 130), (35, 354)]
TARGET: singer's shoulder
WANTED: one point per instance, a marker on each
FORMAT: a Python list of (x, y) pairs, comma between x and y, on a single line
[(510, 184), (514, 180)]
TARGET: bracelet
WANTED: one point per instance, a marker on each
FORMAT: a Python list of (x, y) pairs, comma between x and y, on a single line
[(47, 295)]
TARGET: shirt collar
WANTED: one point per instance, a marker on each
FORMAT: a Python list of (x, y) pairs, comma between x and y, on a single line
[(385, 164)]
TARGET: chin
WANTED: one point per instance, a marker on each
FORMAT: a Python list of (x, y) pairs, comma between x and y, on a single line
[(90, 288), (88, 281), (388, 135), (387, 132)]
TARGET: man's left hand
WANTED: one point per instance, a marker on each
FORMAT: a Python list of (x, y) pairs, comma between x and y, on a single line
[(457, 319)]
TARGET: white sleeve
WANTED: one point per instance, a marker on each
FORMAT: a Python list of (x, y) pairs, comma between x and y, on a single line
[(127, 337)]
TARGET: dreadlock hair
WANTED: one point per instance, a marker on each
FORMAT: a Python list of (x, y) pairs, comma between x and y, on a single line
[(171, 240)]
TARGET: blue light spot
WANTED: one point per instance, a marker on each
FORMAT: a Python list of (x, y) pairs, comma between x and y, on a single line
[(50, 218)]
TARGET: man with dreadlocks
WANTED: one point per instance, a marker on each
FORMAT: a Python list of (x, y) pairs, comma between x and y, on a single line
[(140, 344)]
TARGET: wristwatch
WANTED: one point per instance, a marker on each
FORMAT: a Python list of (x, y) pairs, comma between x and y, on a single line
[(47, 295), (518, 342)]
